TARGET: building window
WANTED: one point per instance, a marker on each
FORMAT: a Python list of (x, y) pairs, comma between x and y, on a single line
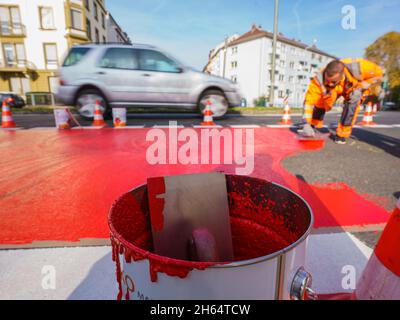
[(234, 78), (282, 63), (87, 5), (76, 19), (104, 39), (281, 77), (10, 21), (46, 18), (96, 16), (103, 21), (14, 54), (88, 30), (234, 50), (291, 79), (291, 65), (97, 38), (280, 94), (234, 64), (19, 85), (50, 55)]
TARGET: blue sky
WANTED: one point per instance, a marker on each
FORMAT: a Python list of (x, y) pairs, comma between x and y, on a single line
[(188, 29)]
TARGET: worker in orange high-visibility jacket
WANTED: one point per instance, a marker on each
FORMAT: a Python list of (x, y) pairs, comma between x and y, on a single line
[(350, 78)]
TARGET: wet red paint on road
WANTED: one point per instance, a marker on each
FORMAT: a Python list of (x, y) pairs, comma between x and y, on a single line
[(60, 185)]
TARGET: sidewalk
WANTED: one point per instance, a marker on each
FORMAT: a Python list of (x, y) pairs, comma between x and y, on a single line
[(89, 272)]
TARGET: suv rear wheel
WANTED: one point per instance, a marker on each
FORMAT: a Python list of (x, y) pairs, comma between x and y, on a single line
[(219, 103), (86, 101)]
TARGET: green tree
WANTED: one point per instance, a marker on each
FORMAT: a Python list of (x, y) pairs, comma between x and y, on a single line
[(385, 51)]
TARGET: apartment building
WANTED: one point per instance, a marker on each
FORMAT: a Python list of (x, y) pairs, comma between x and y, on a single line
[(35, 35), (248, 62), (115, 32), (217, 57)]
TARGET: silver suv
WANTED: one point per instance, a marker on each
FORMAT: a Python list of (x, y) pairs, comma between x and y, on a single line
[(138, 75)]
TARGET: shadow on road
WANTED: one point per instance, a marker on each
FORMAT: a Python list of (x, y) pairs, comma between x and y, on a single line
[(386, 143)]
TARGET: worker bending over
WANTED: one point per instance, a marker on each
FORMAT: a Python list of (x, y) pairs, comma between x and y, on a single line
[(351, 79)]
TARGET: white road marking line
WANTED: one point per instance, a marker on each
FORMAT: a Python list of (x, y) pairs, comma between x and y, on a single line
[(167, 126), (245, 126), (279, 126), (206, 127)]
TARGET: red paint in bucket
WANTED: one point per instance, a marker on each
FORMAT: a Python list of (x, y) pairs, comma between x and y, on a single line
[(265, 218)]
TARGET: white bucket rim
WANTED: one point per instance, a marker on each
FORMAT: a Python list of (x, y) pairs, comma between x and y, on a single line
[(216, 264)]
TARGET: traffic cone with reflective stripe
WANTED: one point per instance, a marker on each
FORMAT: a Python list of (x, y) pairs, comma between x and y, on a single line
[(98, 120), (367, 118), (381, 277), (208, 115), (7, 121), (286, 114)]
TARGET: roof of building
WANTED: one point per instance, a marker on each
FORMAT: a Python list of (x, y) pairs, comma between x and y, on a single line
[(257, 32)]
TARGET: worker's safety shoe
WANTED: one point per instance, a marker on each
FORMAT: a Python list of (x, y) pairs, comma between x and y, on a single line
[(339, 140)]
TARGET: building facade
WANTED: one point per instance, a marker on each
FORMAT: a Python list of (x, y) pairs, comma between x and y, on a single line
[(35, 36), (114, 32), (217, 57), (248, 62)]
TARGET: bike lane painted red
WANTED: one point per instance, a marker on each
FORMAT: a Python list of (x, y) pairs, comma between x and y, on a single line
[(59, 185)]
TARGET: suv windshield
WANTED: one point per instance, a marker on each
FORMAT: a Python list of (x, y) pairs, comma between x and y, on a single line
[(74, 56)]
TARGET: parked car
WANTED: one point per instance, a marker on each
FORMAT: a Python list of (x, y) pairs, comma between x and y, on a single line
[(387, 105), (138, 75), (14, 100)]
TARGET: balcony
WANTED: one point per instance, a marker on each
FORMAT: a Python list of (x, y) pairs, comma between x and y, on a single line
[(76, 33), (17, 66), (8, 29)]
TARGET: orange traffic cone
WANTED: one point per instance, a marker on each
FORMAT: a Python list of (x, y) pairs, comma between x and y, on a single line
[(381, 277), (208, 115), (286, 114), (6, 116), (367, 118), (98, 120)]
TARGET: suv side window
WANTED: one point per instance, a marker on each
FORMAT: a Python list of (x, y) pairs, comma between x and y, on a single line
[(74, 56), (120, 58), (151, 60)]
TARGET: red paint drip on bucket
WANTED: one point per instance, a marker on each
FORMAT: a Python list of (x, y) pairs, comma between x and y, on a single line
[(265, 218)]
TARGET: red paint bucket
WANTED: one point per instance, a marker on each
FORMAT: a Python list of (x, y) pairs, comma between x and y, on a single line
[(270, 226)]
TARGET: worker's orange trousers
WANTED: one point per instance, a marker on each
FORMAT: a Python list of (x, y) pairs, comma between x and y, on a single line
[(349, 114)]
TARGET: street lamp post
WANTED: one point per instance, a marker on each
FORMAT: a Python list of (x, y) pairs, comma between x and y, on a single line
[(272, 89)]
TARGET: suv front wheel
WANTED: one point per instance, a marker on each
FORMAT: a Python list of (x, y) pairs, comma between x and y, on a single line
[(219, 103), (86, 101)]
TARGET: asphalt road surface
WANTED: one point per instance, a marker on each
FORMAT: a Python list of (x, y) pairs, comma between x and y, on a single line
[(189, 119)]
